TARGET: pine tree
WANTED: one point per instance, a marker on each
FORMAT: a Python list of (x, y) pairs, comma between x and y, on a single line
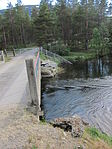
[(43, 25)]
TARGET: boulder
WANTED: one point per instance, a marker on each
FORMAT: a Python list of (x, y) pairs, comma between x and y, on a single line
[(48, 69)]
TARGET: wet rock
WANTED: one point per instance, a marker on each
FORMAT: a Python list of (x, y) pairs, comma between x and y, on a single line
[(74, 125)]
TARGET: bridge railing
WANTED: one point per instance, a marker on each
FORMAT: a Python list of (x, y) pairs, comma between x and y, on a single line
[(34, 78), (55, 56)]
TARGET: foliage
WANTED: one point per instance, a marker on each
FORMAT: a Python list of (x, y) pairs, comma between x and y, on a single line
[(96, 40), (81, 56), (43, 56), (64, 27), (43, 25), (100, 40), (60, 48)]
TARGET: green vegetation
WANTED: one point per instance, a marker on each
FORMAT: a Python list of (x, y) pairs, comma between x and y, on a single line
[(96, 134), (64, 28), (34, 147), (43, 121), (43, 56), (80, 56), (84, 55)]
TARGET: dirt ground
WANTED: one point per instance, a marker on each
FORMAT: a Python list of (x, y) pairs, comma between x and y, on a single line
[(19, 129)]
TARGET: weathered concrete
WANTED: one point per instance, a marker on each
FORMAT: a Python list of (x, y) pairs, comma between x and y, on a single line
[(14, 82), (34, 80), (39, 82)]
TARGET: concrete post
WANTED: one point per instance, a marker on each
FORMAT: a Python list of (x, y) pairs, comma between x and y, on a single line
[(38, 80), (2, 56), (34, 89)]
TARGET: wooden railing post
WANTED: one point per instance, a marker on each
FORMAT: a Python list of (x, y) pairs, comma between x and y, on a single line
[(14, 53), (2, 56)]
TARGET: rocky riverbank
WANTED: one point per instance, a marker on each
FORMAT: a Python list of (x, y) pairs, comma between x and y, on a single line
[(21, 129), (48, 68)]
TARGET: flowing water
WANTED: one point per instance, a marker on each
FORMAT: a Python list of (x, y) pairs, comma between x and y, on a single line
[(90, 97)]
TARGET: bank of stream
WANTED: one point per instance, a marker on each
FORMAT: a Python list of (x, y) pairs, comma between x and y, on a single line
[(91, 97)]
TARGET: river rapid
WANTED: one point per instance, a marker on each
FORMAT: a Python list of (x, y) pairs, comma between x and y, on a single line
[(90, 97)]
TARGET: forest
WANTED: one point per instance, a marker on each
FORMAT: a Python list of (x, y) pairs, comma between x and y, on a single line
[(66, 27)]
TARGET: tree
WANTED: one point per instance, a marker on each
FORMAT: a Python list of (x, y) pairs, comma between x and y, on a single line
[(43, 25), (96, 40), (69, 23), (64, 21), (100, 40)]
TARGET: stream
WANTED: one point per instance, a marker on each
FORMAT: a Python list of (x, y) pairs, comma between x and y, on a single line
[(93, 103)]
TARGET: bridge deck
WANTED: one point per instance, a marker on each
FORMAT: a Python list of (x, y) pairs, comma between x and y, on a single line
[(13, 81)]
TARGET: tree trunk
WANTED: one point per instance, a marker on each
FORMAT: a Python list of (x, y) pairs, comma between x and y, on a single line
[(23, 34), (86, 40), (12, 31), (4, 36)]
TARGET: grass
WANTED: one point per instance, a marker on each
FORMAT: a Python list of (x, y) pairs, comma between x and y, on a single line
[(82, 56), (34, 147), (96, 134), (44, 57), (43, 121)]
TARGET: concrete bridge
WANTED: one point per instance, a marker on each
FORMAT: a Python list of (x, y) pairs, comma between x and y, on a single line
[(20, 83), (14, 81), (16, 124)]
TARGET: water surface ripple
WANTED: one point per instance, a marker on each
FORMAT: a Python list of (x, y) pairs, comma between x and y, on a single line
[(93, 104)]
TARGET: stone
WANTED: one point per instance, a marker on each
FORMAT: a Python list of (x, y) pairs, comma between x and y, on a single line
[(48, 69)]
